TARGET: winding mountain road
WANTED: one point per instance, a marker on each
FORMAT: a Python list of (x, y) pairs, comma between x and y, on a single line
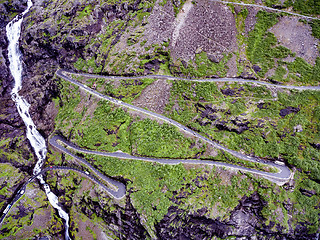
[(61, 74), (116, 194), (266, 8), (281, 177)]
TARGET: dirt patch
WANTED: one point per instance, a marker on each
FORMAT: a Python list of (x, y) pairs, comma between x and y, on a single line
[(207, 26), (297, 37), (154, 97), (40, 220), (210, 151), (225, 176), (89, 230), (180, 20), (91, 106), (232, 67), (86, 185)]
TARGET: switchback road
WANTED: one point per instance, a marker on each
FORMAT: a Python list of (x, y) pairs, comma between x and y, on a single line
[(281, 177), (116, 194)]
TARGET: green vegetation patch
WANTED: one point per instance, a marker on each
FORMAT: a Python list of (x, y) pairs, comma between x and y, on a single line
[(311, 7), (315, 25), (151, 139), (262, 45), (303, 72), (124, 89), (101, 126), (31, 216), (10, 177), (202, 66), (278, 127), (155, 187)]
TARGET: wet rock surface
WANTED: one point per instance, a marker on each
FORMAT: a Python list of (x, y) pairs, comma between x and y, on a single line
[(12, 128), (126, 219), (10, 123), (245, 221), (178, 224)]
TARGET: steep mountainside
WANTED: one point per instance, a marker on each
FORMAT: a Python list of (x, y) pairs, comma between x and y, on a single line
[(189, 39)]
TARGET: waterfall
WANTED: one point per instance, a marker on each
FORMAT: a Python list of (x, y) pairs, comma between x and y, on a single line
[(37, 142)]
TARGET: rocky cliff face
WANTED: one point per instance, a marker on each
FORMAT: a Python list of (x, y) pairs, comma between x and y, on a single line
[(11, 126), (245, 221), (9, 119)]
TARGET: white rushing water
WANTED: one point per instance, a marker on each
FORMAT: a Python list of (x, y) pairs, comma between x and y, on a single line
[(36, 140)]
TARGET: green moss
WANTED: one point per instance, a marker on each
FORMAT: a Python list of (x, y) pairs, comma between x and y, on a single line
[(304, 6), (165, 141), (271, 3), (315, 25), (301, 67), (279, 74), (91, 64), (126, 90), (143, 43), (85, 12)]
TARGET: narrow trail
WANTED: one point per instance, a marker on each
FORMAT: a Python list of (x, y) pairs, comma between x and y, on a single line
[(180, 20)]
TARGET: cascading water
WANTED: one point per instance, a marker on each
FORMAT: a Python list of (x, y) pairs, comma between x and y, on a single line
[(36, 140)]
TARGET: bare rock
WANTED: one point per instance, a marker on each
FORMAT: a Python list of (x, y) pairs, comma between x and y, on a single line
[(284, 112), (298, 128)]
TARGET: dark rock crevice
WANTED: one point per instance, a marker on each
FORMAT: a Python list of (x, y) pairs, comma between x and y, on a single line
[(126, 219)]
